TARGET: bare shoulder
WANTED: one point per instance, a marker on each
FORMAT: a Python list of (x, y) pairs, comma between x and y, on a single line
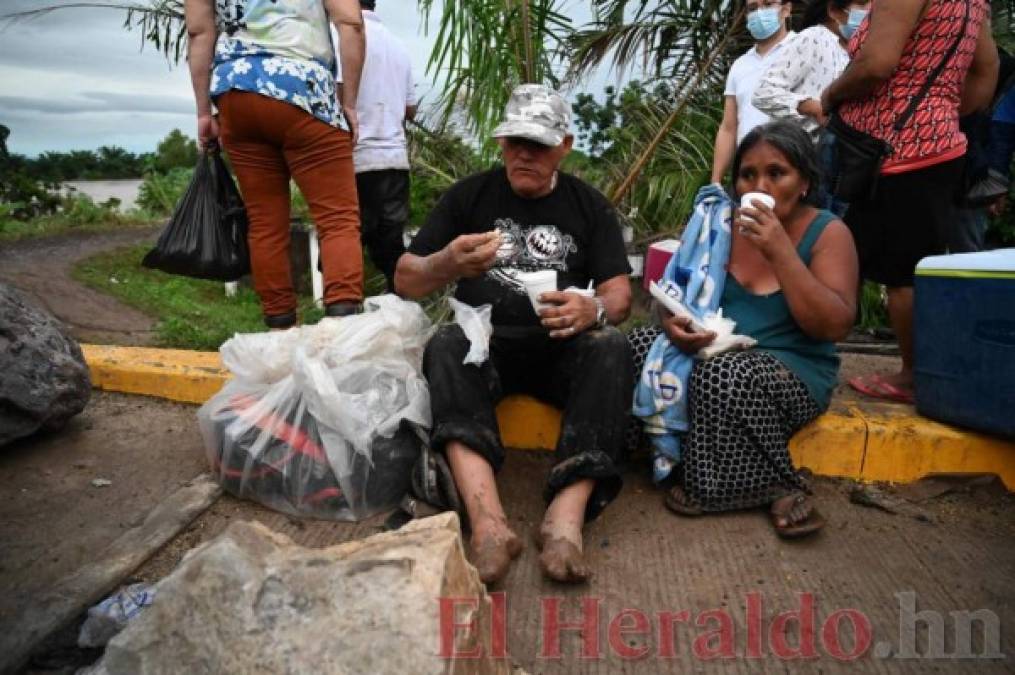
[(835, 235), (835, 249)]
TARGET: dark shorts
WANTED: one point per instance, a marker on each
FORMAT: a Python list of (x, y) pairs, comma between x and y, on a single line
[(909, 219)]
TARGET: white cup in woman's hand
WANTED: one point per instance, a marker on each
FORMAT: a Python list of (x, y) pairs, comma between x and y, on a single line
[(748, 199), (747, 202)]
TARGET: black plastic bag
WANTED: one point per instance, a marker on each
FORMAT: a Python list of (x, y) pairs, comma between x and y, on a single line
[(206, 237)]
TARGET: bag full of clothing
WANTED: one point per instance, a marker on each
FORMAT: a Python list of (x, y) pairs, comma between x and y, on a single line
[(206, 237), (327, 420)]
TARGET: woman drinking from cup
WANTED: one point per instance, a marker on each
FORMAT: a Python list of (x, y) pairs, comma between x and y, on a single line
[(790, 284)]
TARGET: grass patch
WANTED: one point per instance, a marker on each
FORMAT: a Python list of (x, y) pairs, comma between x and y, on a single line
[(190, 313), (48, 226)]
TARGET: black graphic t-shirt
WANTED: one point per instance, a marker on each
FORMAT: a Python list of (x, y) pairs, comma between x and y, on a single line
[(572, 230)]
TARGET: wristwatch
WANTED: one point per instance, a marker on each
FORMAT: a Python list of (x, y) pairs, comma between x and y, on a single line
[(601, 318)]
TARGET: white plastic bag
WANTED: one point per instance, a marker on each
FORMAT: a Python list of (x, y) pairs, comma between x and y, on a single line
[(725, 339), (323, 420), (260, 357), (668, 294), (475, 323)]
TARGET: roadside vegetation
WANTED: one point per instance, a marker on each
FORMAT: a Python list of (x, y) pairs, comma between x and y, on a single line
[(33, 202), (191, 313), (73, 214)]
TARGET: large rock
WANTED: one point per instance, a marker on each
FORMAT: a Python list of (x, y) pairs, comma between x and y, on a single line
[(43, 377), (251, 601)]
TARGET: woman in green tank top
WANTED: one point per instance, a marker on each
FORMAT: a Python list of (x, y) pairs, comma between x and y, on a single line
[(791, 285)]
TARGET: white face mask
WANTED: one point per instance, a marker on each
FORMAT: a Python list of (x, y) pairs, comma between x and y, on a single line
[(764, 22), (856, 17)]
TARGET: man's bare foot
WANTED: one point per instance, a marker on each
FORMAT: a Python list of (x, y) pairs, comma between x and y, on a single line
[(492, 552), (561, 557)]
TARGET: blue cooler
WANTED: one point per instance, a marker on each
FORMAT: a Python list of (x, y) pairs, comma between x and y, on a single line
[(964, 334)]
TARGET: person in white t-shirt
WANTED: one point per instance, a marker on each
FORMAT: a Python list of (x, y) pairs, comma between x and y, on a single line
[(767, 23), (387, 99), (792, 85)]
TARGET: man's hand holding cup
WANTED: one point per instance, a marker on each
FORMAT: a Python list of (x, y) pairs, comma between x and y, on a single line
[(570, 312)]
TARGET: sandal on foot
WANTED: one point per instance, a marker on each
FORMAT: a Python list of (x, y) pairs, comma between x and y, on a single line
[(677, 501), (794, 516), (876, 387)]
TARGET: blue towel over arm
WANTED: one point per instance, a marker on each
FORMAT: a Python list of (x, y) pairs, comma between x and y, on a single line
[(696, 275)]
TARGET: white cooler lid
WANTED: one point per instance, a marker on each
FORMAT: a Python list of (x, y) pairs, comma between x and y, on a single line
[(1000, 260)]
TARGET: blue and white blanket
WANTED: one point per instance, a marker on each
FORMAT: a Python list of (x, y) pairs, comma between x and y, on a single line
[(695, 275)]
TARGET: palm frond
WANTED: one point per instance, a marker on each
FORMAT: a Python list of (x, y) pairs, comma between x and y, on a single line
[(659, 199), (663, 38), (686, 91), (484, 48)]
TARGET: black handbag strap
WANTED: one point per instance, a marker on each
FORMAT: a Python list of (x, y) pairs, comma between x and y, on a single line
[(915, 101)]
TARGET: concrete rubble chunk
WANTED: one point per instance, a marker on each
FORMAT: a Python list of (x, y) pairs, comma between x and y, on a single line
[(45, 379), (252, 601)]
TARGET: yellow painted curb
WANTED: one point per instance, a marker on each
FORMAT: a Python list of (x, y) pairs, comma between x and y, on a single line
[(902, 447), (872, 442), (175, 374), (832, 445)]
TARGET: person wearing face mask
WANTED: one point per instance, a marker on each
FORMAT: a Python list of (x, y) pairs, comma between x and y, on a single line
[(791, 87), (857, 13), (767, 24)]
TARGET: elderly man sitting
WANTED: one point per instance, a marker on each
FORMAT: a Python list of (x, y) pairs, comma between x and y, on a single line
[(487, 230)]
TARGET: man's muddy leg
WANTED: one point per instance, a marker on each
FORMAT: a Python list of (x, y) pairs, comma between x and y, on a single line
[(494, 543), (592, 381), (560, 535)]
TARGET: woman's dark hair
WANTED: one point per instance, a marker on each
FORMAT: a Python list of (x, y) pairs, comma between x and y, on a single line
[(816, 11), (791, 140)]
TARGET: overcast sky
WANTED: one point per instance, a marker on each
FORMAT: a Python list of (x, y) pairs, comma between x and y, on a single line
[(76, 79)]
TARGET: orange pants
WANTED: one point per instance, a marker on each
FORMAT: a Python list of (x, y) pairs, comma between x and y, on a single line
[(268, 141)]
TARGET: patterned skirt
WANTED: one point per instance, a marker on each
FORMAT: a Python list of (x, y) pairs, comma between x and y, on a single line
[(744, 408)]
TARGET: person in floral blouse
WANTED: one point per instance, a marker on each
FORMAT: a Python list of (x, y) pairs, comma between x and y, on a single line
[(269, 67)]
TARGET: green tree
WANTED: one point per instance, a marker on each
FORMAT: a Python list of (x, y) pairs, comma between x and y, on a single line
[(176, 151), (22, 196), (620, 128), (594, 121), (115, 162)]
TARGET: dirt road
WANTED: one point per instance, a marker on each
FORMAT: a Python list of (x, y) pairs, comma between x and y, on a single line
[(42, 269), (59, 514)]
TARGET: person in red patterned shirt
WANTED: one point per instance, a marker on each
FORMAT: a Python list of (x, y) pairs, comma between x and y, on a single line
[(893, 52)]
